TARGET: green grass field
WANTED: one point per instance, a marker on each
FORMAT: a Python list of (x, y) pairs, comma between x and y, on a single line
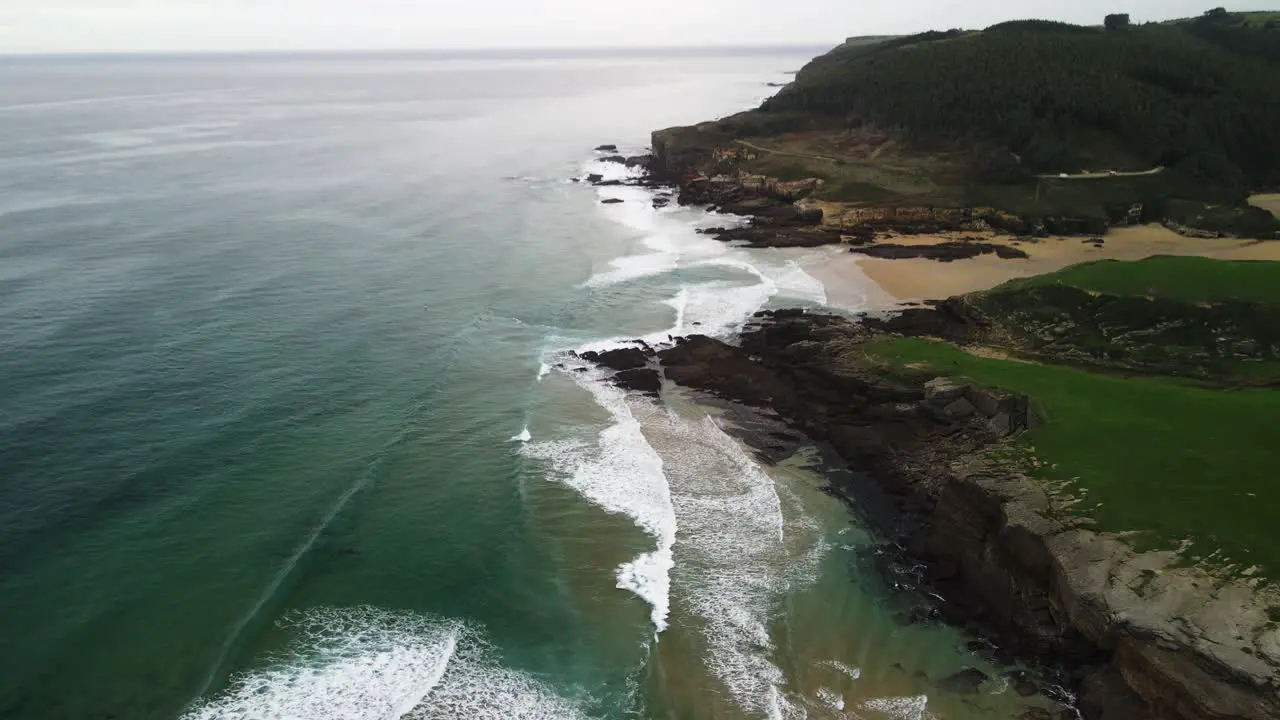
[(1191, 279), (1165, 459), (1260, 18)]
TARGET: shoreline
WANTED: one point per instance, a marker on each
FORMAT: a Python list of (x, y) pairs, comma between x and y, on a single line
[(1138, 633), (1044, 586), (912, 280)]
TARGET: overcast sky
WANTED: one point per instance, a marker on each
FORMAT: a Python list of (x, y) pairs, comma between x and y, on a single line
[(201, 25)]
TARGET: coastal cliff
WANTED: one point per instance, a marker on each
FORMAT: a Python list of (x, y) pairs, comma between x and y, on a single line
[(1172, 123), (862, 147), (1139, 634)]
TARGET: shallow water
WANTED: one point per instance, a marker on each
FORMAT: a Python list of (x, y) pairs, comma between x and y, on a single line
[(290, 430)]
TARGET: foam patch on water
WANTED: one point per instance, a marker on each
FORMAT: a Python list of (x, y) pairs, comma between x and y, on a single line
[(523, 437), (634, 267), (622, 474), (732, 556), (373, 664), (849, 671), (899, 708), (831, 699)]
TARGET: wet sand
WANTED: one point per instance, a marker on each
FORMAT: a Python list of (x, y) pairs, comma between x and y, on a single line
[(845, 274)]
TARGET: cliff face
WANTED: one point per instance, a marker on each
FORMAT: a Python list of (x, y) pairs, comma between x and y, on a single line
[(1142, 636), (707, 166)]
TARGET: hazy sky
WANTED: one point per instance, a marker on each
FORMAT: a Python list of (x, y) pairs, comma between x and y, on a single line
[(148, 25)]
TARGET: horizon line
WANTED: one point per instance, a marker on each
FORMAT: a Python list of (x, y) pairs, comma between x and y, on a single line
[(468, 51)]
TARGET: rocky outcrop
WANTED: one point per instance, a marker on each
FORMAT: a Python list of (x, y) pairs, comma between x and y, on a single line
[(709, 168), (942, 252), (632, 366), (1140, 636), (914, 220), (1188, 231), (1215, 342)]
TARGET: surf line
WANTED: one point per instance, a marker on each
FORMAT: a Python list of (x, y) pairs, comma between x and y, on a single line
[(235, 637)]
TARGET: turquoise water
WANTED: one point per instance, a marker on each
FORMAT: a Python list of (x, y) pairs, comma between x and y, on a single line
[(283, 435)]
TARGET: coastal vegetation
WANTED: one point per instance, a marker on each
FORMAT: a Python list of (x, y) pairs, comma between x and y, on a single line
[(1167, 459), (1156, 385), (1197, 96), (1191, 279), (1175, 122)]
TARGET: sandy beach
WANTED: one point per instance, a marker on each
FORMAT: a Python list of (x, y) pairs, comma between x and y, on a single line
[(1269, 202), (845, 274)]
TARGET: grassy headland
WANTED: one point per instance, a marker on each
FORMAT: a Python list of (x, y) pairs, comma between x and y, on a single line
[(1178, 451), (1166, 459)]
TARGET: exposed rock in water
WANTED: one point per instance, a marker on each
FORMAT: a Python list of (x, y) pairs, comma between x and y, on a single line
[(966, 682), (774, 236), (606, 148), (614, 159), (611, 201), (942, 252), (628, 358), (645, 380), (594, 178)]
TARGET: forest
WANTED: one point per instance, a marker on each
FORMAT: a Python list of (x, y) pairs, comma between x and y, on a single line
[(1198, 96)]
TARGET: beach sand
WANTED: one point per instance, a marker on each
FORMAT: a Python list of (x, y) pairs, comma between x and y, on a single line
[(1269, 202), (845, 274)]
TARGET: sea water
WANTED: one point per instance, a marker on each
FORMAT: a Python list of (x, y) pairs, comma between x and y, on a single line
[(291, 424)]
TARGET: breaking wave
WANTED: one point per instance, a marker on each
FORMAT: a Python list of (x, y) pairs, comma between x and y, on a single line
[(372, 664)]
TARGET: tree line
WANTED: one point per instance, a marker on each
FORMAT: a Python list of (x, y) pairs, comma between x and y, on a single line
[(1059, 96)]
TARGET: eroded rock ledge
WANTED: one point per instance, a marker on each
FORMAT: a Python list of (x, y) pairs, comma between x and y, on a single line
[(1141, 636), (705, 165)]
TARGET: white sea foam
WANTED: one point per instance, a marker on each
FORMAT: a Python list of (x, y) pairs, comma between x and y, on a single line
[(373, 664), (731, 557), (851, 672), (634, 267), (734, 552), (899, 708), (622, 474), (523, 437), (831, 699)]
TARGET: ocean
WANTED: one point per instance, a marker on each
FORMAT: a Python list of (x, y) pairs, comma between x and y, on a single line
[(290, 426)]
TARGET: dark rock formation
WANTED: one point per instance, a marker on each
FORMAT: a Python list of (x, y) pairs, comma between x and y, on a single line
[(606, 148), (761, 236), (966, 682), (611, 201), (1186, 647), (594, 178), (614, 159), (645, 380), (942, 252), (633, 370), (628, 358)]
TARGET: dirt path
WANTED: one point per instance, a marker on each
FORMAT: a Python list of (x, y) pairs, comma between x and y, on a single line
[(786, 153), (1102, 175)]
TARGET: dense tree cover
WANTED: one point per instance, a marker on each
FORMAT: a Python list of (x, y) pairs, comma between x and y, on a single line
[(1116, 22), (1064, 98), (1237, 33)]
